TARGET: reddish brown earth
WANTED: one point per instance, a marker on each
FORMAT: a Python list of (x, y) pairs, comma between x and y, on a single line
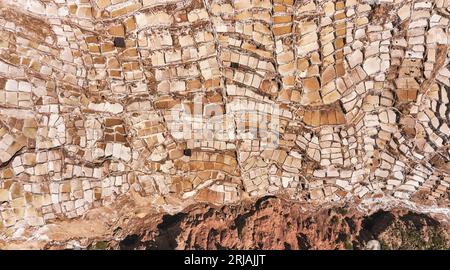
[(269, 223), (272, 223)]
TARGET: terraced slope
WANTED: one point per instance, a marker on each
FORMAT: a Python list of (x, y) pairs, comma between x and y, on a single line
[(168, 104)]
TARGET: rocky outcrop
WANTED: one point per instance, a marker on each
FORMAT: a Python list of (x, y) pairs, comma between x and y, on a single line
[(268, 223), (273, 223)]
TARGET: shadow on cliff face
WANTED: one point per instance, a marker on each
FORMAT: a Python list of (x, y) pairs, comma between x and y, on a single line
[(303, 242), (409, 230), (166, 239), (168, 229), (375, 224), (130, 242), (415, 231), (419, 220)]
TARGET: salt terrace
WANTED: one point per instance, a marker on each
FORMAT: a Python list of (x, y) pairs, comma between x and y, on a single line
[(99, 98)]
